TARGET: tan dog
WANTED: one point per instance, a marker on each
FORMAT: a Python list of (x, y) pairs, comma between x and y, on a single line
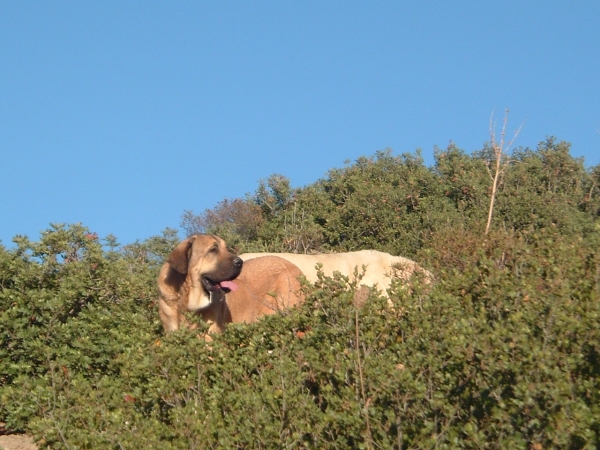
[(267, 285), (198, 276), (380, 266)]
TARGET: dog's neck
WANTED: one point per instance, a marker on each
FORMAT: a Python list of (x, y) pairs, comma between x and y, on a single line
[(198, 298)]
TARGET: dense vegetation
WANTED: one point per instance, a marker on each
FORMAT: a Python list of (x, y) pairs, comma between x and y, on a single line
[(503, 351)]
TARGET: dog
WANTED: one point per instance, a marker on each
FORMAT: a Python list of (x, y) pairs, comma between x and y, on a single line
[(380, 267), (201, 275), (267, 285)]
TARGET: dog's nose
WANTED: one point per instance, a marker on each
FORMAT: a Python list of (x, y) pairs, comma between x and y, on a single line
[(237, 262)]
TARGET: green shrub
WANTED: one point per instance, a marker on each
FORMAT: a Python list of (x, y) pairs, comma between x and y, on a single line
[(502, 351)]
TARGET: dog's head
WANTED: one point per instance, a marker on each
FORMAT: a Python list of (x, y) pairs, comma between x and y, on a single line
[(205, 259)]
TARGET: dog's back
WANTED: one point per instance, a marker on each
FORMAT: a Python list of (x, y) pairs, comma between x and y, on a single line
[(379, 266)]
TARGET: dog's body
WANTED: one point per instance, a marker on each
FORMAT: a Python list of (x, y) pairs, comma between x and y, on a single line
[(267, 285), (380, 266), (198, 277)]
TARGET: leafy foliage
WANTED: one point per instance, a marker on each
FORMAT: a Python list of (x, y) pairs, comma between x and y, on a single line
[(503, 351), (398, 205)]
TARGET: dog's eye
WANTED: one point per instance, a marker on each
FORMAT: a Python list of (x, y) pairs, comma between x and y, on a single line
[(213, 250)]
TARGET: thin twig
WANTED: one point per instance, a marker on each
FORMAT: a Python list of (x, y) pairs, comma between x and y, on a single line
[(500, 150)]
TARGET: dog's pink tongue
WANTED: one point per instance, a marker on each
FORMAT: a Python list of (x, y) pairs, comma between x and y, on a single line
[(228, 285)]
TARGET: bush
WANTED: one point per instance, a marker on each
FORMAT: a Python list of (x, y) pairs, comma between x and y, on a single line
[(503, 351)]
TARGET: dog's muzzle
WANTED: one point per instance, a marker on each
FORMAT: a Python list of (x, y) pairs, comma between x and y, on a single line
[(212, 285)]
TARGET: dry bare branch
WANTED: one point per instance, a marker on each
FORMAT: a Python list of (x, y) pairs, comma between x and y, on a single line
[(501, 160)]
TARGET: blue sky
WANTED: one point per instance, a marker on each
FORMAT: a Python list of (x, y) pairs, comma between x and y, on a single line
[(123, 114)]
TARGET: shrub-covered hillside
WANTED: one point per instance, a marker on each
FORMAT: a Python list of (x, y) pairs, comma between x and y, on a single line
[(399, 205), (502, 351)]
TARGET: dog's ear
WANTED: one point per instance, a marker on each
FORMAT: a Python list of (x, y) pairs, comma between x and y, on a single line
[(180, 256)]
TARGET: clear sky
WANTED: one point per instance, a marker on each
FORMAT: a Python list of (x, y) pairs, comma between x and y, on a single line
[(123, 114)]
